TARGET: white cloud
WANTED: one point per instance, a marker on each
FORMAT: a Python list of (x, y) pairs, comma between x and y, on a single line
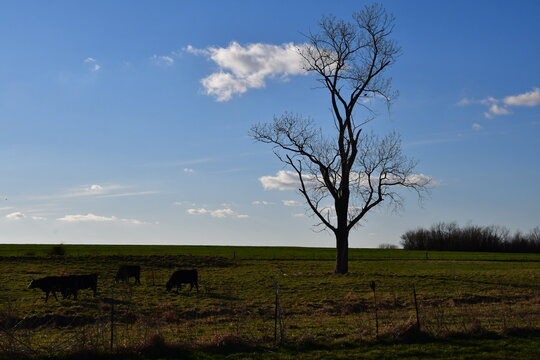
[(189, 171), (162, 60), (38, 218), (298, 214), (247, 67), (200, 211), (468, 101), (284, 180), (15, 216), (95, 187), (97, 218), (497, 107), (221, 213), (476, 126), (531, 98), (288, 180), (498, 110), (218, 213), (422, 180), (183, 203), (261, 202), (92, 63), (291, 203), (488, 100)]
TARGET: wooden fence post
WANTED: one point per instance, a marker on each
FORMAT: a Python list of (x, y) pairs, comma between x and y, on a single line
[(278, 317), (373, 286), (112, 318), (416, 308)]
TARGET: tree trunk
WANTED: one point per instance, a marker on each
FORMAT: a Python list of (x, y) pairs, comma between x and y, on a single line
[(342, 252)]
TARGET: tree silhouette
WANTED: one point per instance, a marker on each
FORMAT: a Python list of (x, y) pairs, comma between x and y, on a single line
[(345, 174)]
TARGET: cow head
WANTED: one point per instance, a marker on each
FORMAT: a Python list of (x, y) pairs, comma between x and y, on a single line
[(169, 285)]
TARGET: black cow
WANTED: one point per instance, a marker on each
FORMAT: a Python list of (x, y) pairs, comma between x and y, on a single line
[(180, 277), (126, 271), (73, 283), (49, 284)]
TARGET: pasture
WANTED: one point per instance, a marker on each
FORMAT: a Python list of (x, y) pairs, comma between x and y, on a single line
[(470, 305)]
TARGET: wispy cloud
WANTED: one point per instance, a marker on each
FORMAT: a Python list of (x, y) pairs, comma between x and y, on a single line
[(15, 216), (189, 171), (92, 63), (291, 203), (184, 203), (163, 60), (262, 202), (498, 107), (180, 163), (96, 218), (247, 67), (125, 194), (495, 109), (217, 213), (476, 126), (95, 190), (431, 141)]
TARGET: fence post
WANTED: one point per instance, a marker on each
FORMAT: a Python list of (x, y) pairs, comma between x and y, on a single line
[(373, 286), (276, 290), (112, 318), (278, 317), (416, 308)]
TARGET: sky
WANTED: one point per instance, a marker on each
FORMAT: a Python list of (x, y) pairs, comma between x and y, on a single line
[(126, 122)]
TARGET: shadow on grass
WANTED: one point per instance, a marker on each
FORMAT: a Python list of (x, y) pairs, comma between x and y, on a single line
[(233, 347)]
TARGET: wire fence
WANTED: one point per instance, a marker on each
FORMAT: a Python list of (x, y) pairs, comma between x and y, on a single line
[(118, 324)]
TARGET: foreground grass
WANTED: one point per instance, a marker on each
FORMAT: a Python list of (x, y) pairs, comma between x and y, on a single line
[(454, 348), (235, 305)]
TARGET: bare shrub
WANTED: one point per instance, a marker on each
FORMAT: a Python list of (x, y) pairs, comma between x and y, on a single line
[(58, 250), (388, 246)]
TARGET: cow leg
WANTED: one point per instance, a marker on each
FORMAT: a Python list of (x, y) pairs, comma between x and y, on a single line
[(46, 296), (54, 293), (197, 286)]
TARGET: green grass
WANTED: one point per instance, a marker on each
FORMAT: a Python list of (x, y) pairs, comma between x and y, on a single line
[(325, 315), (261, 252)]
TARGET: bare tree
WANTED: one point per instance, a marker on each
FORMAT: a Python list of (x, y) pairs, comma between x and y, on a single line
[(345, 174)]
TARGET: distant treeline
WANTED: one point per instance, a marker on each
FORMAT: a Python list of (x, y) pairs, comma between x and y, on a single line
[(452, 237)]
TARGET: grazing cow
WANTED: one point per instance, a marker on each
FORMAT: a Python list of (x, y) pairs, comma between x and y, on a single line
[(126, 271), (180, 277), (49, 284), (73, 283)]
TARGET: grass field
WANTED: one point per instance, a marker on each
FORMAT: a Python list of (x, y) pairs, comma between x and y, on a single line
[(471, 305), (261, 252)]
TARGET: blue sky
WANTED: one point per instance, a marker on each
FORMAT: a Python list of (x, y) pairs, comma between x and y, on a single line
[(109, 132)]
